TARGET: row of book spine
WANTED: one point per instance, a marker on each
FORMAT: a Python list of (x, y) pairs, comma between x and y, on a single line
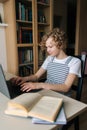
[(25, 56), (24, 35), (23, 12), (25, 70)]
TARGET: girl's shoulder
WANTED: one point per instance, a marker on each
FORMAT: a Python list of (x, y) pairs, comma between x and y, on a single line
[(75, 60), (50, 58)]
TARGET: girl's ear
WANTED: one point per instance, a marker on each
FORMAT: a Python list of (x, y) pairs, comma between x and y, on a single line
[(59, 46)]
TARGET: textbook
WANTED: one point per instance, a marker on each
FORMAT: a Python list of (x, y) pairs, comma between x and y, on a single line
[(35, 105), (60, 120)]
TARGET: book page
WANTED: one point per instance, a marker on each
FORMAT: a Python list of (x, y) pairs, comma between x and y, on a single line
[(24, 102), (61, 119), (46, 108)]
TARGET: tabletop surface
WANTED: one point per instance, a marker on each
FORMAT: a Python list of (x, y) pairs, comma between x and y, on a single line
[(72, 108)]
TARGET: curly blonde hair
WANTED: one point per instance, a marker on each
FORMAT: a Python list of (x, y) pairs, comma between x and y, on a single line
[(59, 37)]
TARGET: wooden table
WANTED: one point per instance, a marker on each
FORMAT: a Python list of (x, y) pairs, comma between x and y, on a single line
[(71, 106)]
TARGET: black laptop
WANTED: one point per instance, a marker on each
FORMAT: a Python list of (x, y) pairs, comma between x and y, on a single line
[(6, 87)]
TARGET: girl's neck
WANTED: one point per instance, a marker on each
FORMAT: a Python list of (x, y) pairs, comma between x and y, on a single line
[(61, 55)]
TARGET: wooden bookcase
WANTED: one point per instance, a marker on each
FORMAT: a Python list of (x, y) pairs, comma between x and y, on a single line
[(27, 21)]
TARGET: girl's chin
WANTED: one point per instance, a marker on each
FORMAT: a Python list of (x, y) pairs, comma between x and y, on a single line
[(51, 54)]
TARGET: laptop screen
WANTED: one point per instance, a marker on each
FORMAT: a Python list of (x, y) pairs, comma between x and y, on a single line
[(3, 85)]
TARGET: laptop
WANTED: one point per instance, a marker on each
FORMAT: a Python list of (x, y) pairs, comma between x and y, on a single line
[(6, 87)]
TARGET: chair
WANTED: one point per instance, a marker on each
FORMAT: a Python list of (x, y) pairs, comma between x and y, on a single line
[(78, 90)]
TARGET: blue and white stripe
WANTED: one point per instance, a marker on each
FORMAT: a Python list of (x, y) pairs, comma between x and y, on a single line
[(57, 72)]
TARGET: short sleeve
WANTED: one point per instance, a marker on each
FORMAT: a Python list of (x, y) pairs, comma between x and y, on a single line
[(75, 66), (45, 63)]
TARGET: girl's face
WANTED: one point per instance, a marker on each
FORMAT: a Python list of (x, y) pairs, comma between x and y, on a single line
[(52, 49)]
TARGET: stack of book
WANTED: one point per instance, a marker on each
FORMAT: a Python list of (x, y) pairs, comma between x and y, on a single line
[(42, 109)]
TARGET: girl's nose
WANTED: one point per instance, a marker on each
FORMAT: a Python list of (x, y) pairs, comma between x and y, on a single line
[(48, 49)]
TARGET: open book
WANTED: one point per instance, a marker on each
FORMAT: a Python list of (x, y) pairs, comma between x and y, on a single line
[(60, 120), (35, 105)]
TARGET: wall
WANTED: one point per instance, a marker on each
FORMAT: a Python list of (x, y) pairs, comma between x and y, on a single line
[(3, 58), (81, 24), (60, 9)]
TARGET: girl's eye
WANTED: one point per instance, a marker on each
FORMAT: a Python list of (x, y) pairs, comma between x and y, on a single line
[(51, 47)]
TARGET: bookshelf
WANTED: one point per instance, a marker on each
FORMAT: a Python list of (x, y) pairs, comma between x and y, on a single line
[(28, 21), (44, 23)]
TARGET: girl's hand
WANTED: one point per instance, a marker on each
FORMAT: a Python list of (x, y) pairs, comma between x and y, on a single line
[(29, 86), (18, 80)]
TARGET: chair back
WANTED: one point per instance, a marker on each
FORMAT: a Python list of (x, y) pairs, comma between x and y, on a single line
[(78, 87)]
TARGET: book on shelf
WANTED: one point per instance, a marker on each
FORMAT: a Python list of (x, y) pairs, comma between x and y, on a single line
[(18, 10), (25, 70), (29, 14), (25, 55), (25, 35), (23, 12), (35, 105)]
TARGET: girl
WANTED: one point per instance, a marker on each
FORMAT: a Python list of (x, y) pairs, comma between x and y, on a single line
[(61, 69)]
